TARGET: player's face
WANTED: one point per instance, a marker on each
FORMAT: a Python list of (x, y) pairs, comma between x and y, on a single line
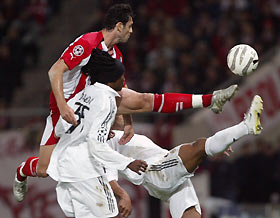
[(126, 31), (119, 84)]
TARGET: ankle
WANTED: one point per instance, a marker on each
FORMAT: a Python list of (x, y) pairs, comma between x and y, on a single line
[(20, 176)]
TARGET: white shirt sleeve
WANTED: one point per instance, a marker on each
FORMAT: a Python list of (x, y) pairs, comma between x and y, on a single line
[(97, 140), (112, 174)]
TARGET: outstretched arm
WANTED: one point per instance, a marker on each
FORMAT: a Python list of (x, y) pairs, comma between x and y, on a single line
[(56, 80)]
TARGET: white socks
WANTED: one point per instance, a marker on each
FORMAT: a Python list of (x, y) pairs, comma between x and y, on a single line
[(224, 138)]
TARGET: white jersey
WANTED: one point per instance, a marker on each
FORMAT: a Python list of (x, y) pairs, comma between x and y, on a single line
[(165, 171), (82, 152), (166, 177), (139, 147)]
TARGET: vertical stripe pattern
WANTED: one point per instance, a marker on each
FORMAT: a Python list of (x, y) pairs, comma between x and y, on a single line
[(107, 192)]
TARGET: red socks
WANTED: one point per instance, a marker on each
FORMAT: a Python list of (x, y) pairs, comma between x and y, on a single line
[(28, 169), (174, 102)]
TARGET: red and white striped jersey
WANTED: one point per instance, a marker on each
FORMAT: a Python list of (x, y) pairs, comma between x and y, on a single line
[(77, 55)]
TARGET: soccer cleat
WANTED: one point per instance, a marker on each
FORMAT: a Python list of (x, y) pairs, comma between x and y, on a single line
[(220, 97), (252, 117), (20, 188)]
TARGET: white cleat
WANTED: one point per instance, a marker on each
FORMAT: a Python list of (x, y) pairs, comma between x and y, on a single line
[(220, 97), (20, 188), (252, 117)]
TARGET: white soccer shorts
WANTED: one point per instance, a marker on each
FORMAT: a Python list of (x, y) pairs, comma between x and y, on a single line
[(92, 198), (184, 198), (168, 180), (48, 137)]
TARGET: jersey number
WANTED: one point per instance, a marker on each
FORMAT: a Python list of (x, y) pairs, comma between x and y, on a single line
[(80, 113)]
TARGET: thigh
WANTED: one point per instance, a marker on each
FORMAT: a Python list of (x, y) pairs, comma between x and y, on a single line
[(48, 143), (164, 176), (93, 198), (192, 154), (64, 199), (48, 137), (183, 200)]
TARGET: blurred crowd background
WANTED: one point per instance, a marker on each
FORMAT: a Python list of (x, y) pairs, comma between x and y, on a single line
[(176, 46)]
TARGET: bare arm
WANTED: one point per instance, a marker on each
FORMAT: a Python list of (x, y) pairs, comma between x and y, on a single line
[(124, 199), (127, 128), (56, 80), (134, 102)]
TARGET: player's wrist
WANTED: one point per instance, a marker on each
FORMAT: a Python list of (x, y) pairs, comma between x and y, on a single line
[(62, 105), (123, 194)]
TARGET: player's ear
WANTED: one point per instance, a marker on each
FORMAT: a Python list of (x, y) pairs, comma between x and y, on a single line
[(119, 26)]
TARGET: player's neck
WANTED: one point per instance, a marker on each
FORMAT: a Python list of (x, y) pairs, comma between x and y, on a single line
[(110, 38)]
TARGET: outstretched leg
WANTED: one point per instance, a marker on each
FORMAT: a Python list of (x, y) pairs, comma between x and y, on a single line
[(32, 167), (135, 102), (36, 166), (192, 154)]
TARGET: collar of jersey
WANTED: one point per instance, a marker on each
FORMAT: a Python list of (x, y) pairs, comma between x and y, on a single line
[(108, 88), (105, 48)]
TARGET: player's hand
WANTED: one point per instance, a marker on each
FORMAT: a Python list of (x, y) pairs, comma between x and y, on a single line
[(67, 113), (127, 135), (228, 151), (125, 205), (138, 166)]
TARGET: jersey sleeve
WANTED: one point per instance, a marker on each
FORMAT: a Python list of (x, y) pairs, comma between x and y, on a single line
[(76, 52), (112, 174), (97, 140)]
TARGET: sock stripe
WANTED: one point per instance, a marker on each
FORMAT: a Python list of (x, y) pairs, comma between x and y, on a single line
[(20, 171), (162, 103), (31, 166), (197, 101)]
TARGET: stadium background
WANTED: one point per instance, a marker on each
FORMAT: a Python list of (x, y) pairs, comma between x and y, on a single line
[(177, 46)]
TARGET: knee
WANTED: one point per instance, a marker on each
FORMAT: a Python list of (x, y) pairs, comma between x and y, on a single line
[(42, 172), (146, 101), (199, 142), (198, 146)]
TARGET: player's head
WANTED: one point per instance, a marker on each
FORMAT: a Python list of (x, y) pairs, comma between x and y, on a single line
[(119, 18), (102, 68)]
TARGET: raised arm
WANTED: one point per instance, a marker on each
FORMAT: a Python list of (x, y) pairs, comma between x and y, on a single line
[(56, 80)]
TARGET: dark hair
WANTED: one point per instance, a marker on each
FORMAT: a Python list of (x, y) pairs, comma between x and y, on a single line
[(117, 13), (102, 68)]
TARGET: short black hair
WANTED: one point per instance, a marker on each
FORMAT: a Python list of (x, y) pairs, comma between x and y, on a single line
[(117, 13), (102, 68)]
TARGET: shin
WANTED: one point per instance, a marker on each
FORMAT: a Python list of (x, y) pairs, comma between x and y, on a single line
[(44, 160)]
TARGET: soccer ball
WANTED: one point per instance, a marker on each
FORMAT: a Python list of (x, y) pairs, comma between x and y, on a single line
[(242, 60)]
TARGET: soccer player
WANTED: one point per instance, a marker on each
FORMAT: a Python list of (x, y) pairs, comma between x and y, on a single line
[(168, 174), (67, 80), (79, 159)]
